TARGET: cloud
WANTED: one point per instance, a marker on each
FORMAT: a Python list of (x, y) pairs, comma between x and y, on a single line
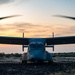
[(32, 30), (2, 2), (6, 1)]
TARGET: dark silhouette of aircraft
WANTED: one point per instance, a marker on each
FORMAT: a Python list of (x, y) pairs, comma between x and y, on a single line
[(36, 46), (62, 16)]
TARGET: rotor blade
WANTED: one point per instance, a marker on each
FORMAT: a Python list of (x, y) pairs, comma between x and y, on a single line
[(1, 18), (73, 18)]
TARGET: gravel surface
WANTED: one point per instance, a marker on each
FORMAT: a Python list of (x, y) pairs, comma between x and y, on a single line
[(37, 69)]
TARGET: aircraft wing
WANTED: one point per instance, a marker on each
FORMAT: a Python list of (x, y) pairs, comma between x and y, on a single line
[(49, 41), (13, 40), (60, 40)]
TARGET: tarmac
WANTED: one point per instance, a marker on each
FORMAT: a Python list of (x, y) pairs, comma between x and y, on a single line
[(56, 68)]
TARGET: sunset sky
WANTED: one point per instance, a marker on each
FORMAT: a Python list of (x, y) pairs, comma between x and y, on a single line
[(37, 20)]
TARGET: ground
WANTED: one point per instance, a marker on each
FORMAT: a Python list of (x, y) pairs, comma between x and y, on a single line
[(37, 69)]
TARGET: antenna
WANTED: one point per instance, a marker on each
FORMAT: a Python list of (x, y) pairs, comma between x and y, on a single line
[(53, 34), (23, 35), (23, 45), (53, 41), (51, 46)]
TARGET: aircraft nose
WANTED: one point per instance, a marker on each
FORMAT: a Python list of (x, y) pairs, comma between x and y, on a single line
[(37, 55)]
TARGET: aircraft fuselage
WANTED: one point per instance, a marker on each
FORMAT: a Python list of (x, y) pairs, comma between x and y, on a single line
[(37, 51)]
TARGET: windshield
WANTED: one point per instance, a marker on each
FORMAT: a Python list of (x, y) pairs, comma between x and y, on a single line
[(36, 46), (40, 46)]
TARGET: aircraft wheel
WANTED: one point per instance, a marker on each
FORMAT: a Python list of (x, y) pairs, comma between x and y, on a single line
[(40, 61), (50, 61), (24, 62)]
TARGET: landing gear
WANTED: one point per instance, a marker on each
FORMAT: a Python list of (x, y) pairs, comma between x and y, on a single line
[(41, 61), (51, 61), (24, 62)]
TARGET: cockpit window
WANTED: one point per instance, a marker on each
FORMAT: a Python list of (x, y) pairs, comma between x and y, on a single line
[(39, 46), (32, 46), (35, 46)]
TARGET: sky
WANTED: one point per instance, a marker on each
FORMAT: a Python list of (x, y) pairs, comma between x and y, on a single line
[(37, 20)]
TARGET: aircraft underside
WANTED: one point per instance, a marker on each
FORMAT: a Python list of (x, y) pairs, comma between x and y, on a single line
[(37, 59)]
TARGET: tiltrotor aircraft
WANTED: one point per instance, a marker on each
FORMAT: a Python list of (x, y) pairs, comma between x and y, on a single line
[(37, 46)]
